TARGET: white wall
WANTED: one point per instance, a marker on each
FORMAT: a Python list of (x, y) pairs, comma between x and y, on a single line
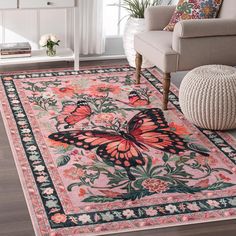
[(29, 25)]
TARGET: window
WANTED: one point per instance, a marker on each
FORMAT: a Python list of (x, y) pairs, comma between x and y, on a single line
[(114, 17)]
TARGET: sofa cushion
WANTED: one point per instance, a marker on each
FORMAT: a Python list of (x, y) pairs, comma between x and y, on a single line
[(228, 9), (157, 47), (194, 9)]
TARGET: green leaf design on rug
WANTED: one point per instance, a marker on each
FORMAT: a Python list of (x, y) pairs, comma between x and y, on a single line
[(98, 199), (220, 185), (63, 160), (198, 147), (171, 177)]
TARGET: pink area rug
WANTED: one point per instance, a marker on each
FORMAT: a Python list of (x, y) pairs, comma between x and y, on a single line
[(96, 154)]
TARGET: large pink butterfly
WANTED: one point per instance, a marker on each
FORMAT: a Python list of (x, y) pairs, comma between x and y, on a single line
[(147, 129)]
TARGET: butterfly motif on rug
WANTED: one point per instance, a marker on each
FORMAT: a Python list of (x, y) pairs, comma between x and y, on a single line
[(147, 129), (135, 99), (82, 111), (138, 98)]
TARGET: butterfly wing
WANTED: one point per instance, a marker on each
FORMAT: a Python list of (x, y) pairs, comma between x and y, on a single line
[(149, 119), (122, 152), (112, 148), (150, 128), (82, 111), (133, 97), (136, 100), (85, 139)]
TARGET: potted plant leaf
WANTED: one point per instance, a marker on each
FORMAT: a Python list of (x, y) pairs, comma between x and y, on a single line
[(136, 24)]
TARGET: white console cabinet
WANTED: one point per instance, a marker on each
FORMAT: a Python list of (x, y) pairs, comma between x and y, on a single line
[(63, 54), (8, 4), (46, 3)]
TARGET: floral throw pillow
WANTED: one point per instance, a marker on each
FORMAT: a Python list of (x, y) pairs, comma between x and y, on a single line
[(194, 9)]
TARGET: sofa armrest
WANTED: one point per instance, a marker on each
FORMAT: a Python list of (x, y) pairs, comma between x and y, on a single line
[(158, 17), (205, 28)]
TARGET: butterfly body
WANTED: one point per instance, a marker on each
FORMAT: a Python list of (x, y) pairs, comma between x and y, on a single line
[(131, 138), (146, 129)]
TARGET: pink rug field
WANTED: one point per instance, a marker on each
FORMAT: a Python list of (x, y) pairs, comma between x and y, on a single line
[(96, 154)]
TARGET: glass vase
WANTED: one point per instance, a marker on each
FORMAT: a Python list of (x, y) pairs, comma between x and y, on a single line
[(51, 52)]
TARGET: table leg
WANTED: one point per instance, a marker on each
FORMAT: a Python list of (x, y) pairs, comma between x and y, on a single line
[(76, 37)]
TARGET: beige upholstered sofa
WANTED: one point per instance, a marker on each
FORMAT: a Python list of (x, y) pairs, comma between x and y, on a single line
[(193, 42)]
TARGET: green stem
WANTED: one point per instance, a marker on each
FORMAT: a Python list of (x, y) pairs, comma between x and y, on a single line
[(221, 169), (209, 171), (102, 102)]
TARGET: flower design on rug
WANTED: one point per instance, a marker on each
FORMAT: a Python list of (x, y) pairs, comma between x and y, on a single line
[(97, 154)]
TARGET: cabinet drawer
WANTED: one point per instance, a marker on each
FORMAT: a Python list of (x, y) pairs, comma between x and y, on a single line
[(9, 4), (46, 3)]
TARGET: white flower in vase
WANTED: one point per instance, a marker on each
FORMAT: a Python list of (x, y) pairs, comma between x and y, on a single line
[(49, 41), (53, 38), (44, 39)]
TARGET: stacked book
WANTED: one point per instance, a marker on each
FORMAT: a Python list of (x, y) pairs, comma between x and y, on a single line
[(11, 50)]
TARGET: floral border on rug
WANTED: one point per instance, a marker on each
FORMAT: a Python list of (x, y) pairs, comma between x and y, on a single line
[(56, 215)]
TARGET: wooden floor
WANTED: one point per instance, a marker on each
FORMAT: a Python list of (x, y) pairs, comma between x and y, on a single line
[(14, 216)]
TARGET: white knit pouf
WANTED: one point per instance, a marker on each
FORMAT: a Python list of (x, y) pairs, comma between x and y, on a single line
[(207, 97)]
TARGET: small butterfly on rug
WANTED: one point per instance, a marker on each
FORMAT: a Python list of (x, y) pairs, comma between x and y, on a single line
[(136, 99), (82, 111), (146, 129), (72, 113)]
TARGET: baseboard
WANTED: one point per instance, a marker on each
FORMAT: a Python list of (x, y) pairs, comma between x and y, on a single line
[(102, 57)]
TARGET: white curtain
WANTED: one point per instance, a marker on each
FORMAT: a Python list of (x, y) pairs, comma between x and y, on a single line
[(92, 40)]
